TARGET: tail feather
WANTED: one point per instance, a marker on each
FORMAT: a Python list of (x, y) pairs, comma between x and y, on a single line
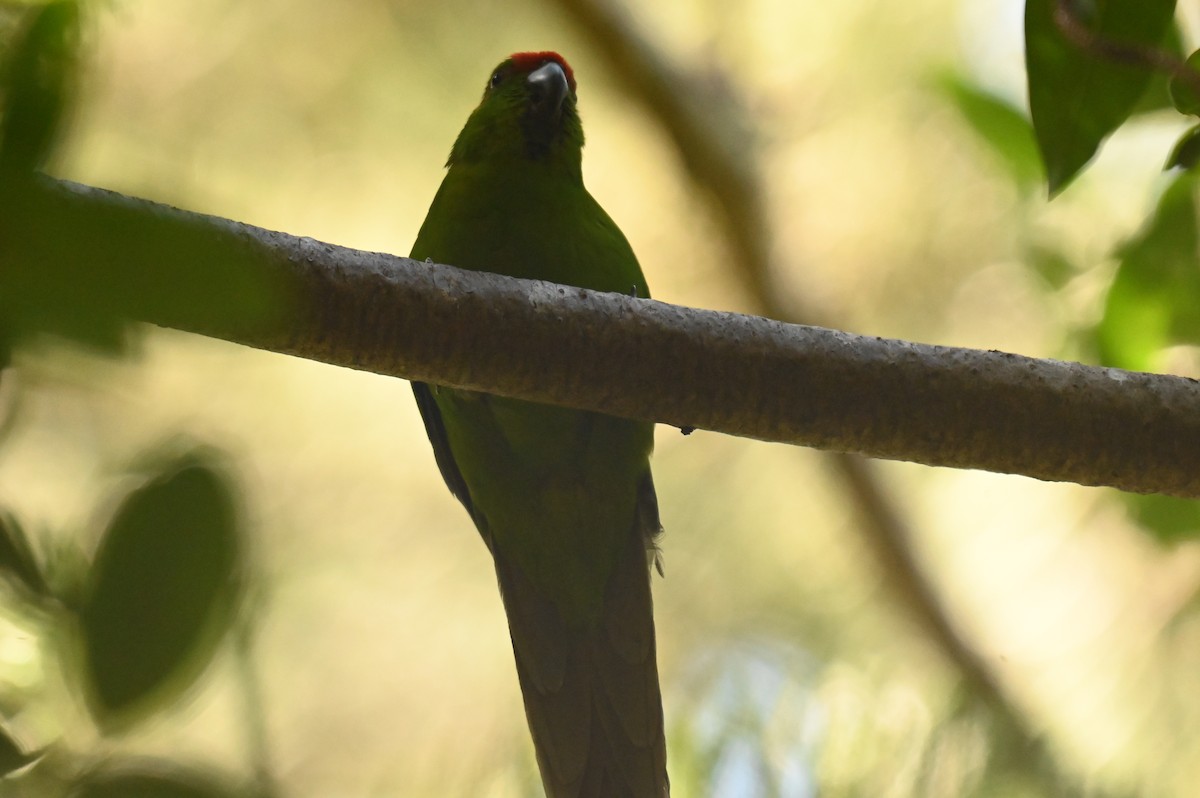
[(592, 696)]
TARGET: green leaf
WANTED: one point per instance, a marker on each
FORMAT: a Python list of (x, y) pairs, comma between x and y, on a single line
[(1186, 151), (11, 756), (1001, 126), (1154, 299), (1183, 94), (16, 557), (39, 79), (1077, 99), (161, 591), (1157, 96)]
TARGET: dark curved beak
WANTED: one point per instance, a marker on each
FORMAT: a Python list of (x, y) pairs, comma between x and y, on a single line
[(548, 87)]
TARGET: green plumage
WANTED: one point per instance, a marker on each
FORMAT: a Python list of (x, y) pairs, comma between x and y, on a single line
[(563, 498)]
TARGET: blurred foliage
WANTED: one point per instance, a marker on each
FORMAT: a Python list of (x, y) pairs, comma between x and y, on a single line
[(1168, 519), (84, 273), (11, 756), (1151, 303), (141, 779), (1183, 94), (81, 273), (1005, 129), (16, 558), (160, 591), (158, 599), (135, 630), (1158, 94), (1077, 98), (37, 83), (1050, 263), (1186, 153)]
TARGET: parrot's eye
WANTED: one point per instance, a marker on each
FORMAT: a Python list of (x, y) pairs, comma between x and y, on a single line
[(495, 81)]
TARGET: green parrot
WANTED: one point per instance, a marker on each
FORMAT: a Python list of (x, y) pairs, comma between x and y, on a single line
[(562, 498)]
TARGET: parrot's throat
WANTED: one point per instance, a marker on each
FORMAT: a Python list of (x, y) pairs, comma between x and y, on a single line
[(543, 131)]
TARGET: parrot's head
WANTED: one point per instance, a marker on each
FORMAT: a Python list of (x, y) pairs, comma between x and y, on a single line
[(527, 114)]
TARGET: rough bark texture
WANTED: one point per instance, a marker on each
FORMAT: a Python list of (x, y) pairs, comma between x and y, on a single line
[(731, 373)]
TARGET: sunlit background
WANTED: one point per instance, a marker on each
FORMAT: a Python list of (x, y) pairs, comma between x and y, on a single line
[(790, 664)]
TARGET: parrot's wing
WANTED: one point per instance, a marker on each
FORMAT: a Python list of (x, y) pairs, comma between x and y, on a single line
[(436, 431), (591, 693)]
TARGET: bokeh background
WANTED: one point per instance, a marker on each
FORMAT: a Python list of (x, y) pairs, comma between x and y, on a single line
[(795, 652)]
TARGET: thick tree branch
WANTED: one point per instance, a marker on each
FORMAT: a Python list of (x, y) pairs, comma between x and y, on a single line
[(731, 373)]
